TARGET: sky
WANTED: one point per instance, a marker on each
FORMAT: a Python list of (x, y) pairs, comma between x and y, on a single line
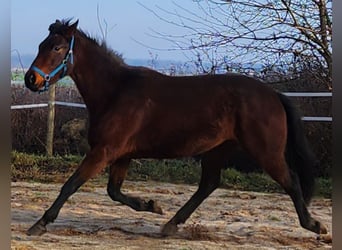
[(127, 21)]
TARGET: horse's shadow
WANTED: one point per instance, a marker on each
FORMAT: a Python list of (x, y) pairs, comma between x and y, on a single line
[(133, 227), (75, 225)]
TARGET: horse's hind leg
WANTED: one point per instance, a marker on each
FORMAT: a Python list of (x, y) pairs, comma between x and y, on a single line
[(92, 164), (293, 188), (288, 179), (118, 172), (210, 180)]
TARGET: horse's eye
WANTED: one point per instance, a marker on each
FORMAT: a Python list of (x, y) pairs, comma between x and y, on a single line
[(57, 48)]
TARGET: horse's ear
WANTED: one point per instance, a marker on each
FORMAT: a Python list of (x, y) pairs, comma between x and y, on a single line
[(53, 27), (72, 28)]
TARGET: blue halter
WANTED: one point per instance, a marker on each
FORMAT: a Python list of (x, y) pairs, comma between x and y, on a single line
[(62, 65)]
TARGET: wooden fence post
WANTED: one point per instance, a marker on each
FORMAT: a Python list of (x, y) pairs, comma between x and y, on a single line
[(50, 120)]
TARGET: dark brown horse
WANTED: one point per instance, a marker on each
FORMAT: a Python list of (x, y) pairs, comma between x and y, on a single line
[(135, 112)]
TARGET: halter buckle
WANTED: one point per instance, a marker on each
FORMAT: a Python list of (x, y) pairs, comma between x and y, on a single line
[(47, 78)]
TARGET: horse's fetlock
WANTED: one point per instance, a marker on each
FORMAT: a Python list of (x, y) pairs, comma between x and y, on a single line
[(153, 207)]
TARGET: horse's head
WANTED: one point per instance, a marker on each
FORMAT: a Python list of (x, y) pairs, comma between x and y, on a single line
[(55, 57)]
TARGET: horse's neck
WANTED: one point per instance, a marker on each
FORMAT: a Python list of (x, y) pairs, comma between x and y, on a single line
[(95, 83)]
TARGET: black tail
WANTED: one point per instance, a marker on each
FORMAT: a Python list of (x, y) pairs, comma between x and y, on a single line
[(299, 155)]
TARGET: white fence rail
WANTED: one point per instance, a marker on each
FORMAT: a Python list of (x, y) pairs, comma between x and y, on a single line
[(29, 106), (308, 94), (291, 94)]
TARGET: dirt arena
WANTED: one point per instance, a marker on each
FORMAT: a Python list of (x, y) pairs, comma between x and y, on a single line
[(228, 219)]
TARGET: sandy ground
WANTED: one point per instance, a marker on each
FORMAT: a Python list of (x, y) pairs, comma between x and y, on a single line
[(228, 219)]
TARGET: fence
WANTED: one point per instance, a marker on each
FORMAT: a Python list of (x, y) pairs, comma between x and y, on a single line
[(290, 94)]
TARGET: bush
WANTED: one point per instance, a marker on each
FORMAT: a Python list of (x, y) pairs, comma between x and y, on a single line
[(40, 168), (176, 171)]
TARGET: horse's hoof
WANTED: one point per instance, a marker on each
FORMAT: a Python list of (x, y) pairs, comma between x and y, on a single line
[(169, 229), (327, 238), (154, 208), (322, 229), (316, 227), (37, 229)]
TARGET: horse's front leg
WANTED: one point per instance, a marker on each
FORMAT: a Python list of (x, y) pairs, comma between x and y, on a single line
[(118, 172), (210, 180), (92, 164)]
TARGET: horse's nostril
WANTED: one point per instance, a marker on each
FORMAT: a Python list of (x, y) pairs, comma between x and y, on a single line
[(30, 81), (32, 78)]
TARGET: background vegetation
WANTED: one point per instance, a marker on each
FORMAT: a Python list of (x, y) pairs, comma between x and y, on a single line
[(41, 168)]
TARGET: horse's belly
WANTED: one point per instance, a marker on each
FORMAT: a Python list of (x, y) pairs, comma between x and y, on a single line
[(181, 144)]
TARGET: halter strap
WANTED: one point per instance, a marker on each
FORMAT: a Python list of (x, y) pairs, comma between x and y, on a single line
[(62, 65)]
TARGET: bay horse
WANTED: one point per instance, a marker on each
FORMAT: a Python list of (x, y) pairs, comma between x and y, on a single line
[(136, 112)]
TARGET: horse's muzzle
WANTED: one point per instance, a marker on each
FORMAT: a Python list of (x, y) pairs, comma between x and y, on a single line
[(30, 81)]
